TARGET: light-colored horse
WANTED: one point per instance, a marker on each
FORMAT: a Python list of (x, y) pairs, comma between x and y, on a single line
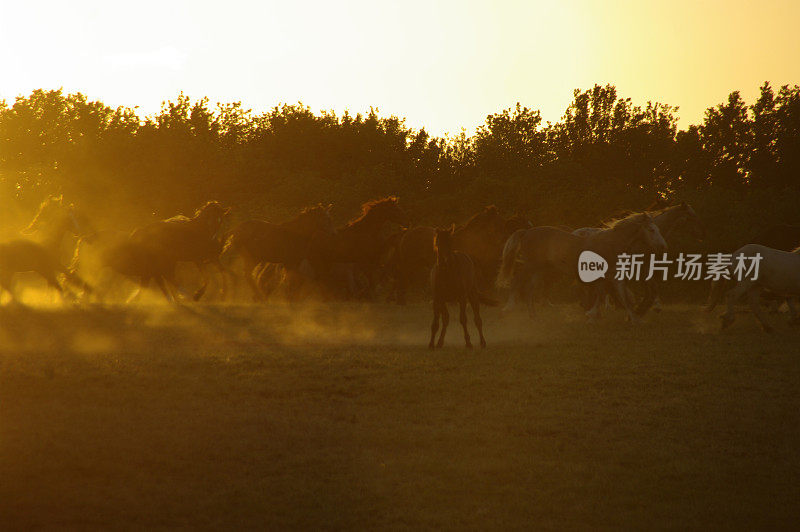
[(668, 220), (547, 251), (779, 272)]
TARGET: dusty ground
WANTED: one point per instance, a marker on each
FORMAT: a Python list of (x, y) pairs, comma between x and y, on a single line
[(339, 417)]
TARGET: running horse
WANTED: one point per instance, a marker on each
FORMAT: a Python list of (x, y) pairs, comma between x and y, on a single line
[(152, 252), (259, 243), (53, 221), (194, 239), (544, 252), (359, 245), (778, 273), (668, 219)]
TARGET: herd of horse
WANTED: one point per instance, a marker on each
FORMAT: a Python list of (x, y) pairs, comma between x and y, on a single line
[(469, 264)]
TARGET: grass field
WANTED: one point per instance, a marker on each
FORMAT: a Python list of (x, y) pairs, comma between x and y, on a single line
[(338, 417)]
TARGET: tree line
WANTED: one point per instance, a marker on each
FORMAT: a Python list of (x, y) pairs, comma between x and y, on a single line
[(739, 168)]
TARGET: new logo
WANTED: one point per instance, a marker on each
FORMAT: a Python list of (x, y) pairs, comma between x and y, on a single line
[(591, 266)]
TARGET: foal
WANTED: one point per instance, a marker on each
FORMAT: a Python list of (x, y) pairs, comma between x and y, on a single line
[(453, 278)]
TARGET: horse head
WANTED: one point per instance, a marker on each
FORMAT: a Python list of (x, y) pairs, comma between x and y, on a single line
[(694, 221), (649, 232), (212, 215), (386, 210), (56, 218), (515, 223), (443, 244), (636, 227)]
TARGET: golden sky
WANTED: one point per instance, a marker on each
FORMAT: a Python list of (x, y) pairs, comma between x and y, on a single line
[(443, 65)]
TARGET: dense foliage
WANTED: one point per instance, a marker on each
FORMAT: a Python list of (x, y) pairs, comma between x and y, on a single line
[(739, 168)]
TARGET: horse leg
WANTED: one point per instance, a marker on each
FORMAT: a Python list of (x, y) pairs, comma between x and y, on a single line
[(733, 296), (162, 284), (50, 277), (102, 286), (435, 322), (600, 292), (519, 286), (166, 281), (510, 302), (530, 293), (223, 280), (462, 318), (621, 290), (753, 299), (475, 303), (650, 299), (205, 278), (141, 285), (445, 321), (250, 266), (546, 284)]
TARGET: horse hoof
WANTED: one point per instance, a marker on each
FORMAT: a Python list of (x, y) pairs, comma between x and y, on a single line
[(431, 346), (469, 346)]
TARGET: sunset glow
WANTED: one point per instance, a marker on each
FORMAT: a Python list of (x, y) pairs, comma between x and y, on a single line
[(442, 65)]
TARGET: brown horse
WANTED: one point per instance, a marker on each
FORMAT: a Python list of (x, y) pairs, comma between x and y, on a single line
[(19, 256), (53, 222), (547, 251), (193, 239), (453, 279), (139, 263), (258, 242), (359, 243), (152, 252), (481, 237)]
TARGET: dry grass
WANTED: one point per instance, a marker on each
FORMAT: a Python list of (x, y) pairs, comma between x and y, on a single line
[(339, 417)]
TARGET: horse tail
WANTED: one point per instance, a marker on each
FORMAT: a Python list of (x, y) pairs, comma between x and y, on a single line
[(510, 253), (717, 290), (198, 294)]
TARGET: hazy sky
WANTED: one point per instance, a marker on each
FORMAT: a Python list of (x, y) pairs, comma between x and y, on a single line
[(443, 65)]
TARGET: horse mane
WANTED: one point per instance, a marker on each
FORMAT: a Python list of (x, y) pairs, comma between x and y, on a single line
[(49, 200), (208, 204), (367, 207), (633, 217), (659, 204), (312, 209), (43, 208)]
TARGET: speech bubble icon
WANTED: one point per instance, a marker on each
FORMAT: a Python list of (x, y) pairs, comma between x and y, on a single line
[(591, 266)]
